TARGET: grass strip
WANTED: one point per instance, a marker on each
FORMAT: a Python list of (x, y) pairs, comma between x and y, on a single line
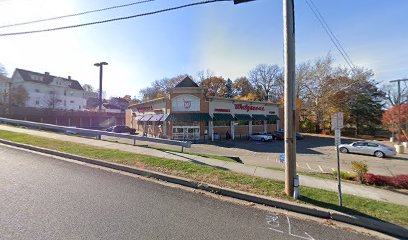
[(351, 204)]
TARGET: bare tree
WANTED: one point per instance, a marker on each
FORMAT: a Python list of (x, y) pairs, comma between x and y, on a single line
[(3, 71), (391, 92), (88, 88), (51, 101), (266, 78), (204, 74)]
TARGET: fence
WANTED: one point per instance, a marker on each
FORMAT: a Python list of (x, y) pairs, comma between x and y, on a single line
[(96, 133)]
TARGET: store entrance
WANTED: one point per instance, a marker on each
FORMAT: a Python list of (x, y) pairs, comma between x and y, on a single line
[(186, 133)]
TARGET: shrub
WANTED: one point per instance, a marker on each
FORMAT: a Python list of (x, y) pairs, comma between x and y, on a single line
[(359, 168), (400, 181), (345, 175)]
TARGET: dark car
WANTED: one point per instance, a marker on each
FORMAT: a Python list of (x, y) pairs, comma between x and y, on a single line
[(280, 135), (121, 129)]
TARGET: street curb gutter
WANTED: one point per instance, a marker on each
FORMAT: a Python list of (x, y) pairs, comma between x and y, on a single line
[(376, 225)]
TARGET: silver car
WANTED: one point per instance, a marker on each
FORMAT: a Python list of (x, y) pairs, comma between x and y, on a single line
[(368, 148), (260, 137)]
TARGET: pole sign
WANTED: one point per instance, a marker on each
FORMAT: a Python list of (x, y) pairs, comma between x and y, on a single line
[(337, 121), (336, 125)]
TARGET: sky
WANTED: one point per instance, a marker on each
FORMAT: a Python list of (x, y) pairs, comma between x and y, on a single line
[(227, 39)]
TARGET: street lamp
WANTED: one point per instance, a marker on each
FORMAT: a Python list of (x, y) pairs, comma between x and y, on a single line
[(100, 65)]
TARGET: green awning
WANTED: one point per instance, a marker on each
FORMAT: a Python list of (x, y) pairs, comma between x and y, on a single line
[(245, 117), (258, 117), (272, 117), (189, 117), (223, 117)]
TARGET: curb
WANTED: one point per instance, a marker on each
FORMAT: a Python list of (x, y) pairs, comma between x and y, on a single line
[(376, 225)]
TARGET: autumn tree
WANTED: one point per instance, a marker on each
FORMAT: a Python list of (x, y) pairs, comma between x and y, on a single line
[(243, 88), (214, 86), (18, 96), (390, 118), (265, 79)]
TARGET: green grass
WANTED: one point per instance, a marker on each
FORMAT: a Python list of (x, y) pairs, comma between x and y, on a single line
[(352, 204), (222, 158)]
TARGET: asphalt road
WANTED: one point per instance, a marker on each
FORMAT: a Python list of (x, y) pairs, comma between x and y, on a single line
[(46, 198)]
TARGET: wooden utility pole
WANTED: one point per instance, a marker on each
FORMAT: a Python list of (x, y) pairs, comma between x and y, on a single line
[(290, 96)]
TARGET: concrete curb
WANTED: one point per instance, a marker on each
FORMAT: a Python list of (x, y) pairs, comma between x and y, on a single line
[(376, 225)]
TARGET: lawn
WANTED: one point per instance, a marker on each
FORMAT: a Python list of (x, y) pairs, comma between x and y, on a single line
[(351, 204)]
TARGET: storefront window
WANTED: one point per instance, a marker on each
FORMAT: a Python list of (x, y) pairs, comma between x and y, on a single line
[(257, 122), (271, 122), (241, 122), (184, 123), (221, 123)]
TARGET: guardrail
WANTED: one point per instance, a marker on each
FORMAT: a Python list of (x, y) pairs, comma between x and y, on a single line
[(96, 133)]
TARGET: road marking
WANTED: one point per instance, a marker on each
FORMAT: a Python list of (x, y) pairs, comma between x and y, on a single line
[(321, 169), (308, 166), (293, 235)]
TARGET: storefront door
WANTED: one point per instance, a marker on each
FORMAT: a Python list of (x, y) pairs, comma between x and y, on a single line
[(186, 133)]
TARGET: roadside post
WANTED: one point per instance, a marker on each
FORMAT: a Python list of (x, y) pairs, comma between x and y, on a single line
[(337, 125)]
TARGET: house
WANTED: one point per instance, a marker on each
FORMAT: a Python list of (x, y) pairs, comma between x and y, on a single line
[(47, 91), (4, 90), (121, 102)]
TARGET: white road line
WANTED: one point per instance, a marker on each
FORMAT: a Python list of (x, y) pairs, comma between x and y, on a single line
[(308, 166), (321, 169)]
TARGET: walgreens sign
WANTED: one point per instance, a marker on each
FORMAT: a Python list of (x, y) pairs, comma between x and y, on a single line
[(248, 108)]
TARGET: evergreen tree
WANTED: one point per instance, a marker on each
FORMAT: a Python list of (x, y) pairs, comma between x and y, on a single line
[(229, 93)]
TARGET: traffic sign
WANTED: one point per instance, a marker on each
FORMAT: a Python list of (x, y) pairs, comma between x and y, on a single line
[(337, 137), (337, 121)]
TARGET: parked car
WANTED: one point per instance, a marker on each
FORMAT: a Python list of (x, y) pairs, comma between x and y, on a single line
[(121, 129), (280, 135), (260, 137), (368, 148)]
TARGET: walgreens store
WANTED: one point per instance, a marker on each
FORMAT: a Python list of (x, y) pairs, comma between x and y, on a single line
[(188, 115)]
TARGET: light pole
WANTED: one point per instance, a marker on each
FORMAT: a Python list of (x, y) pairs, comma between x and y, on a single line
[(100, 65)]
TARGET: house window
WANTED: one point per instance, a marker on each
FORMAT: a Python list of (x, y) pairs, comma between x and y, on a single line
[(79, 107), (65, 103), (65, 92), (37, 102), (72, 93), (71, 101), (37, 90), (52, 92)]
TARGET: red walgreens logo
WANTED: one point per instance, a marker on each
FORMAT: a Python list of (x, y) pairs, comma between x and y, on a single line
[(248, 108), (144, 109)]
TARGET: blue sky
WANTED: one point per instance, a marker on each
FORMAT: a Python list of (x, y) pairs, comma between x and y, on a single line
[(228, 39)]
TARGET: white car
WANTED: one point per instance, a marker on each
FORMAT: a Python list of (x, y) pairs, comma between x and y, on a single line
[(368, 148), (260, 137)]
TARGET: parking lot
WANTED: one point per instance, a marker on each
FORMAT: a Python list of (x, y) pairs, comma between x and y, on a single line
[(314, 154)]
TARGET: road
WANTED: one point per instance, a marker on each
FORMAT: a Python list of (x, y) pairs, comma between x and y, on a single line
[(314, 154), (42, 197)]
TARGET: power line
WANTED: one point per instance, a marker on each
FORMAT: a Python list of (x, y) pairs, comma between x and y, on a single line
[(75, 14), (333, 38), (113, 19)]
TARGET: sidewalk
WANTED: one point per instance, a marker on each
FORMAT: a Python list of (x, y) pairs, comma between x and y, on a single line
[(348, 188)]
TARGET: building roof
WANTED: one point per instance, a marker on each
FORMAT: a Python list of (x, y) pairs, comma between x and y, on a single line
[(110, 106), (46, 78), (186, 82)]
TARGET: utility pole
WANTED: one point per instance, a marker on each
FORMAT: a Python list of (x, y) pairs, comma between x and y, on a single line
[(398, 81), (290, 97), (100, 65)]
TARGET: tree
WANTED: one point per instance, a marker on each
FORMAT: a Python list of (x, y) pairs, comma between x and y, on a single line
[(266, 78), (391, 92), (52, 100), (18, 96), (390, 118), (3, 71), (88, 88), (229, 92), (243, 88), (204, 74), (215, 86), (366, 108)]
